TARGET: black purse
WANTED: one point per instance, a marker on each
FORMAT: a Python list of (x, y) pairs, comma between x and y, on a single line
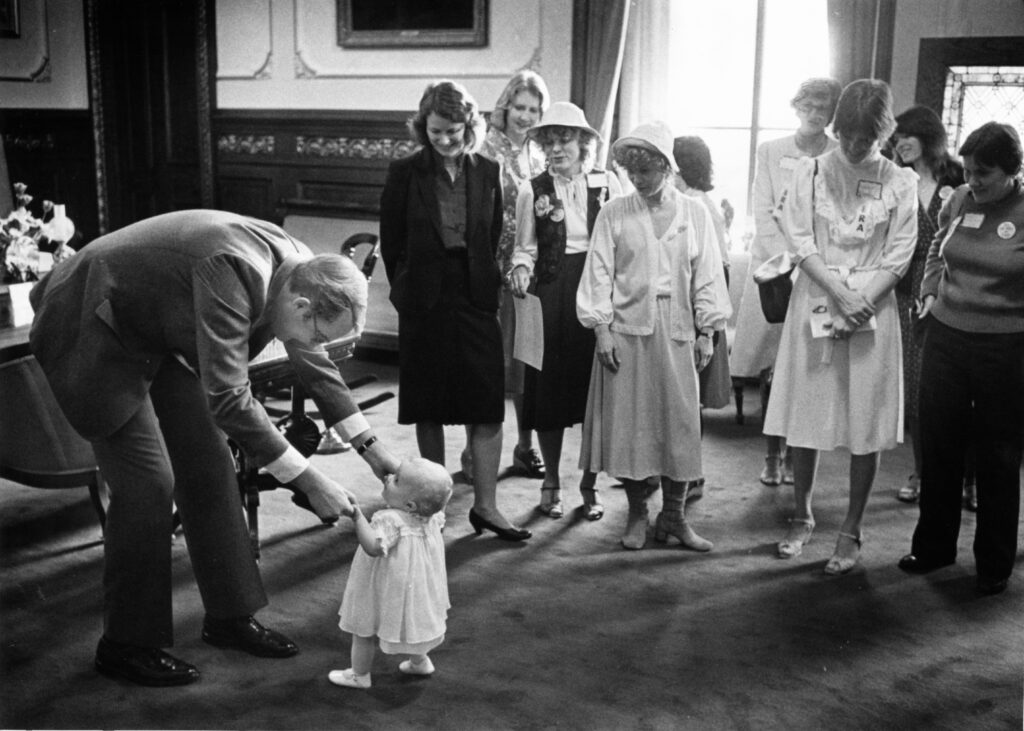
[(774, 278), (774, 281)]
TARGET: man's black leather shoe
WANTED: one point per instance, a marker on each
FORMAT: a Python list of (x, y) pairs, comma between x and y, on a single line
[(248, 635), (914, 565), (992, 586), (143, 665)]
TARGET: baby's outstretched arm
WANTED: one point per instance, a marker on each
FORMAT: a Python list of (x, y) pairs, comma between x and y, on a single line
[(368, 538)]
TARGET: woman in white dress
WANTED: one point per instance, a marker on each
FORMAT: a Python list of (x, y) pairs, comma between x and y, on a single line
[(850, 219), (653, 292), (757, 341)]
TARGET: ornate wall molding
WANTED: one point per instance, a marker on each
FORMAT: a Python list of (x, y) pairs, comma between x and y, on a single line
[(361, 148), (246, 144), (27, 58), (246, 55)]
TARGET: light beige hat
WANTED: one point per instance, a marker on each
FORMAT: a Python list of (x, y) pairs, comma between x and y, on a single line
[(654, 136), (564, 114)]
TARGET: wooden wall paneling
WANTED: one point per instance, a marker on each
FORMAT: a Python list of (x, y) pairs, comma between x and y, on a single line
[(51, 151), (328, 164)]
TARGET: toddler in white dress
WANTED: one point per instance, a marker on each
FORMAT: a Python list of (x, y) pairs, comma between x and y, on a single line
[(397, 589)]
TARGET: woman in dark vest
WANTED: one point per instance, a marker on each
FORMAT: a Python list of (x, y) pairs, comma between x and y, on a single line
[(555, 214)]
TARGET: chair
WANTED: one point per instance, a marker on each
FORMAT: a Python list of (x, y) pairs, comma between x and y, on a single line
[(38, 447)]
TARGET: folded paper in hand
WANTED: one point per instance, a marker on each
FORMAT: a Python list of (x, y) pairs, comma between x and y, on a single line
[(821, 319)]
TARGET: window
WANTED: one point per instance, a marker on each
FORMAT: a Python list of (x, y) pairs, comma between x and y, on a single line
[(978, 94), (729, 97)]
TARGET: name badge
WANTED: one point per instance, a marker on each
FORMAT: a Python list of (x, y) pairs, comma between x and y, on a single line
[(869, 189), (973, 220), (597, 180), (788, 162)]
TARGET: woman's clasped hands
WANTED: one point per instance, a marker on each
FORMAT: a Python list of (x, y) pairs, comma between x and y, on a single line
[(853, 311)]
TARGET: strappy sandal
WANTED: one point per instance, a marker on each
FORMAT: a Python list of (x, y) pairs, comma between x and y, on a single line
[(838, 564), (592, 508), (551, 502), (800, 530)]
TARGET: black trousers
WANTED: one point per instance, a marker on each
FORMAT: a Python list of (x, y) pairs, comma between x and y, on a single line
[(171, 449), (972, 391)]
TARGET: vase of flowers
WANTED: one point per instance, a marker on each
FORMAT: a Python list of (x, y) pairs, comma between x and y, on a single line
[(29, 247)]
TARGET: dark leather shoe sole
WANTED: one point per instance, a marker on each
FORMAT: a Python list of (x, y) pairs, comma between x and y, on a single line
[(914, 565)]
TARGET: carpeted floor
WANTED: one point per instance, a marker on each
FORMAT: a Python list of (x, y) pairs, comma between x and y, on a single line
[(567, 630)]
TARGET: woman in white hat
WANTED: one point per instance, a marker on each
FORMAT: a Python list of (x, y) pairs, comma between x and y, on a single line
[(555, 214), (653, 292)]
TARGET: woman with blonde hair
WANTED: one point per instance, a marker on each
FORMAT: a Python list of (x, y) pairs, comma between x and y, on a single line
[(519, 108)]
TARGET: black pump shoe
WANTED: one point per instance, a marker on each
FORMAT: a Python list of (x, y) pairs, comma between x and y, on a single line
[(248, 635), (143, 665), (505, 534)]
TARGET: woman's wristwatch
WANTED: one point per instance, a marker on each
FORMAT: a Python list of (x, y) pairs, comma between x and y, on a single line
[(709, 334)]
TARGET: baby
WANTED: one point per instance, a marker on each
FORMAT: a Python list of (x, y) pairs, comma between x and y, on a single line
[(397, 588)]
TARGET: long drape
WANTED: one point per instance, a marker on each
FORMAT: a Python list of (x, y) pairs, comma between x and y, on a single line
[(860, 35), (600, 39)]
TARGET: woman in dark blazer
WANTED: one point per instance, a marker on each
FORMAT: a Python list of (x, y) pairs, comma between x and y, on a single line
[(440, 221)]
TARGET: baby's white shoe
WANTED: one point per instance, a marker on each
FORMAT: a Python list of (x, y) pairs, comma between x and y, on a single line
[(412, 668), (349, 679)]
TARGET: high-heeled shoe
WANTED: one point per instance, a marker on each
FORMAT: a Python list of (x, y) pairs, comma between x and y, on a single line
[(668, 524), (592, 507), (842, 564), (800, 530), (551, 502), (506, 534), (771, 475)]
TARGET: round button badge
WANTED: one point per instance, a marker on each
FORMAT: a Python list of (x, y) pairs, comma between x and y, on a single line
[(1006, 230)]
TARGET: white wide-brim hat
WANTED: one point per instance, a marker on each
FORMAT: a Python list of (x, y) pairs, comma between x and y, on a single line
[(654, 136), (564, 114)]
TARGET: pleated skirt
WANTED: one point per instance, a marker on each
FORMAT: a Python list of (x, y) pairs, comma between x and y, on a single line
[(450, 368), (555, 397), (644, 420)]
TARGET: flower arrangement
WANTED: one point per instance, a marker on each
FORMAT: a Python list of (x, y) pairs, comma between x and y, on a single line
[(30, 246)]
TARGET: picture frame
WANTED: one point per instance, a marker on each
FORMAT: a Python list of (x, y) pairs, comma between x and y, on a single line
[(10, 19), (412, 23)]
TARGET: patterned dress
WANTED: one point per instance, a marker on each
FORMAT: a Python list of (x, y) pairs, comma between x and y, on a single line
[(861, 219)]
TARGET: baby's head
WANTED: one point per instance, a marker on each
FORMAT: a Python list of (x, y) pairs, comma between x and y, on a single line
[(420, 486)]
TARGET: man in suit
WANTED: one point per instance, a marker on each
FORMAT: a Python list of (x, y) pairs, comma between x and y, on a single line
[(145, 337)]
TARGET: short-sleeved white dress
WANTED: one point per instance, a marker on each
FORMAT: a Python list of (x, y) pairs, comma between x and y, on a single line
[(400, 596), (844, 393)]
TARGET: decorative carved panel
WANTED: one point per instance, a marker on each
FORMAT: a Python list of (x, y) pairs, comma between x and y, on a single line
[(27, 57)]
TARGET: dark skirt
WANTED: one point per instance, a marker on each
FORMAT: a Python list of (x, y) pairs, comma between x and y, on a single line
[(450, 368), (555, 397)]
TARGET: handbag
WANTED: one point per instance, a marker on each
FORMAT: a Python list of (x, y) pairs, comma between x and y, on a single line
[(774, 280)]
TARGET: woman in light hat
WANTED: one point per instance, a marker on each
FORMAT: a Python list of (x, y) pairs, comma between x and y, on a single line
[(555, 214), (653, 291)]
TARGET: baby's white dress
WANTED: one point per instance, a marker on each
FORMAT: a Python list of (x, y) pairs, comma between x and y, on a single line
[(400, 596)]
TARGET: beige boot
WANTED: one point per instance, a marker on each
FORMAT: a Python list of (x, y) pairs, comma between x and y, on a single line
[(672, 519), (637, 522)]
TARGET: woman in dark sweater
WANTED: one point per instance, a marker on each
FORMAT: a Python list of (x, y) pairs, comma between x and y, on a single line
[(972, 372)]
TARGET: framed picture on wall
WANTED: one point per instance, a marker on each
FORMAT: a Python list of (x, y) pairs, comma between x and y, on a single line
[(9, 21), (395, 23)]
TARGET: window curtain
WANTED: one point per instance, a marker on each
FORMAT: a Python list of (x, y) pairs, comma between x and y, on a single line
[(860, 34), (598, 42), (646, 69)]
